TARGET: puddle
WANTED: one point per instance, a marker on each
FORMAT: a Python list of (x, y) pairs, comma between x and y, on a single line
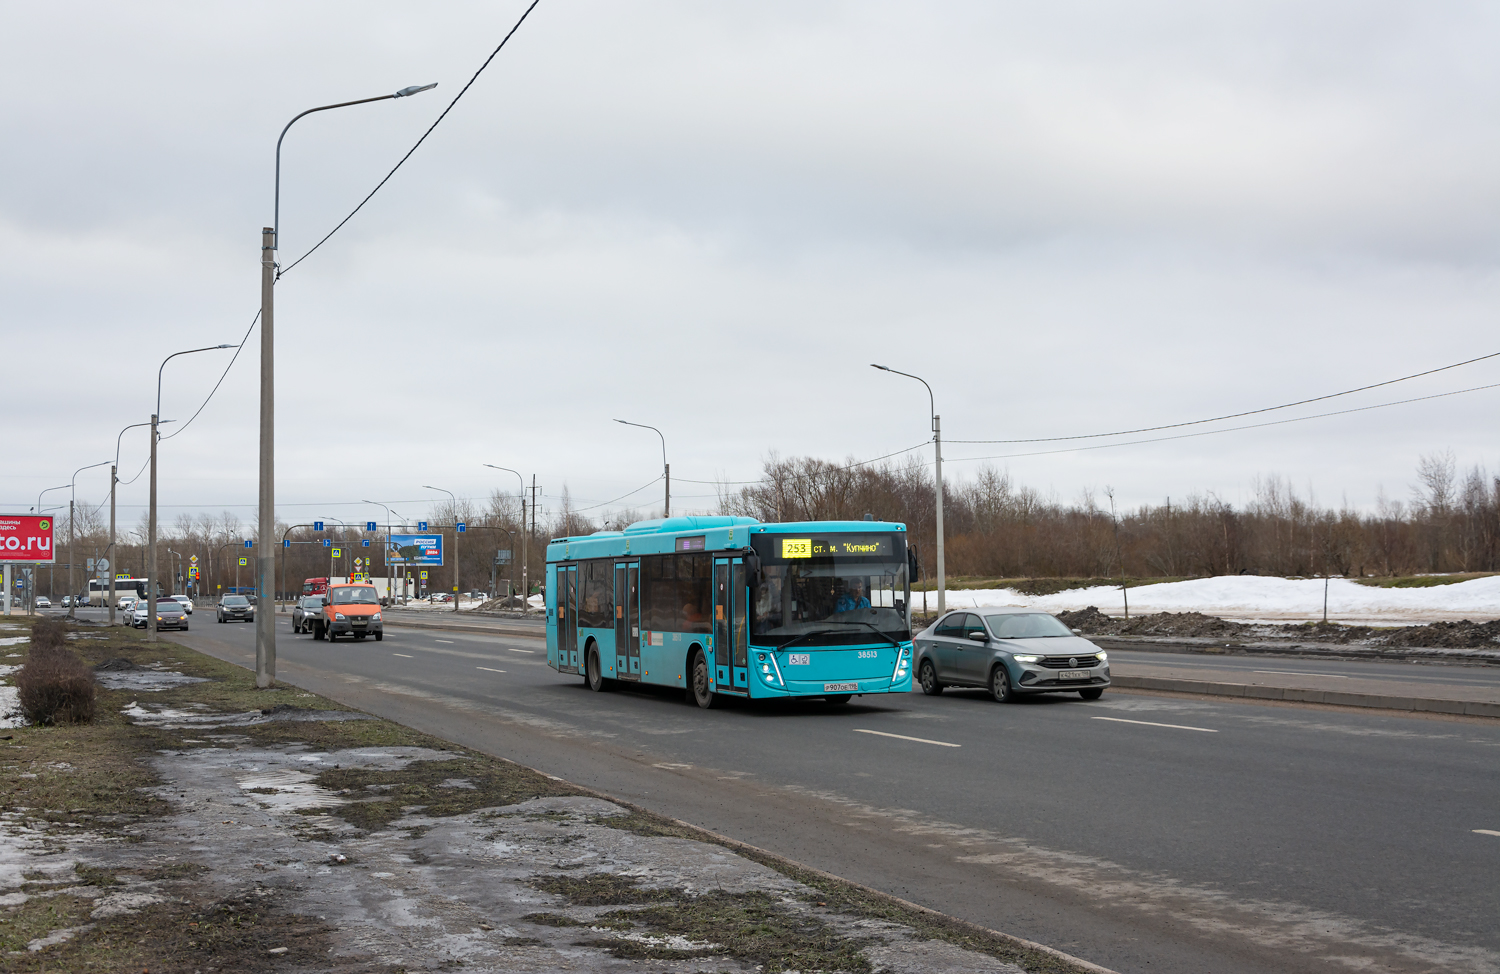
[(289, 790), (168, 718), (145, 681)]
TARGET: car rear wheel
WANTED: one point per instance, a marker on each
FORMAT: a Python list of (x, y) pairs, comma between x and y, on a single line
[(1092, 693), (1000, 687), (928, 678)]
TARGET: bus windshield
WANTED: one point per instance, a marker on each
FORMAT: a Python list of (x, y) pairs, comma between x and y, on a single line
[(821, 596)]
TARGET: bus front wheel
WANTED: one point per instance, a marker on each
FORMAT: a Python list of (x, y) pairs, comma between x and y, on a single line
[(703, 696), (593, 675)]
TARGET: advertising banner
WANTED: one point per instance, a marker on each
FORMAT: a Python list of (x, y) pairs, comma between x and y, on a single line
[(415, 549), (26, 537)]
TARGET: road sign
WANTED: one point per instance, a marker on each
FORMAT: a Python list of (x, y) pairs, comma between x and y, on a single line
[(102, 564), (462, 527), (249, 543), (244, 562), (26, 537), (328, 542), (422, 526), (358, 562), (192, 571), (365, 543), (502, 557), (371, 526), (317, 525), (286, 542), (423, 574), (193, 559), (338, 553)]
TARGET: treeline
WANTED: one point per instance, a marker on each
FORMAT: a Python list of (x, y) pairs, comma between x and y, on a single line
[(996, 528)]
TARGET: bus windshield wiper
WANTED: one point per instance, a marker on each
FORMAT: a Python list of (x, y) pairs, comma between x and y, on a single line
[(805, 635), (876, 631)]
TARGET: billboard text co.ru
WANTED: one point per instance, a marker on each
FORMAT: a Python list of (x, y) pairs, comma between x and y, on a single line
[(26, 537)]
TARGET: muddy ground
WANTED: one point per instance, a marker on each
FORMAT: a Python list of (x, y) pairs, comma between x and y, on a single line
[(202, 825), (1437, 635)]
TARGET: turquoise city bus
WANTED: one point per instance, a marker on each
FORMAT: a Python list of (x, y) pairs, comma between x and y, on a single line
[(731, 607)]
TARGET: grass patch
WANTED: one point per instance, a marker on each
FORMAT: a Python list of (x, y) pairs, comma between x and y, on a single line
[(38, 917), (1420, 581), (495, 782), (603, 889), (551, 920)]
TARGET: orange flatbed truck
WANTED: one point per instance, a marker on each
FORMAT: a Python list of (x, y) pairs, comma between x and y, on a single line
[(350, 610)]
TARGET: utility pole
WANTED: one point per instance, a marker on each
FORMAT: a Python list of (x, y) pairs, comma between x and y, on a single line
[(72, 602), (265, 555), (937, 441), (114, 479), (151, 543)]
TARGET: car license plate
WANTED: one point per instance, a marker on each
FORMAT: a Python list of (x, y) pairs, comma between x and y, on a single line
[(1073, 674), (841, 688)]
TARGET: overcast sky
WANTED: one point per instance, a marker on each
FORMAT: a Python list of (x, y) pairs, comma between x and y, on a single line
[(1068, 217)]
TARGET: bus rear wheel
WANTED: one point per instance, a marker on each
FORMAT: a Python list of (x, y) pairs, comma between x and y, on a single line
[(593, 676), (838, 699), (703, 696)]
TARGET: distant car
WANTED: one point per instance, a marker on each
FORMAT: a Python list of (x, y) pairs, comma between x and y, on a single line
[(307, 609), (349, 610), (169, 615), (42, 602), (185, 602), (127, 602), (1010, 653), (236, 608), (440, 597)]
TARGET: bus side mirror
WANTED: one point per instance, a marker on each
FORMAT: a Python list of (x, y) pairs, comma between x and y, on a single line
[(752, 568), (912, 567)]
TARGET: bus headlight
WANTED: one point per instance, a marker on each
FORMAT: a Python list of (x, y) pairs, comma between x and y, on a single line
[(903, 661)]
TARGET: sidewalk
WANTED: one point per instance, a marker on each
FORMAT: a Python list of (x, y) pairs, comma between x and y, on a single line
[(1344, 691)]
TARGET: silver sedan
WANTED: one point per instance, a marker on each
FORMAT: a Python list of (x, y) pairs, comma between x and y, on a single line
[(1010, 653)]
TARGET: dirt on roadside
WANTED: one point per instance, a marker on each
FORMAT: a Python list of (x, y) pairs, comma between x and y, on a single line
[(1445, 635), (199, 824)]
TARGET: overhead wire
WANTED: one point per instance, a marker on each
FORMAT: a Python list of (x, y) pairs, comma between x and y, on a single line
[(418, 144), (237, 349), (1250, 412)]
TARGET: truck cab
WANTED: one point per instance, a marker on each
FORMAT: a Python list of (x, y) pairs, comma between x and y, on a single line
[(350, 610)]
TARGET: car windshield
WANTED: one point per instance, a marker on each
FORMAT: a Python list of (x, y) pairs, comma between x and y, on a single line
[(312, 602), (1026, 625), (842, 599), (235, 600), (168, 606), (353, 595)]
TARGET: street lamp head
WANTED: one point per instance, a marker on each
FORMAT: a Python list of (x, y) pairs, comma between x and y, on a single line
[(414, 89), (880, 367), (625, 421)]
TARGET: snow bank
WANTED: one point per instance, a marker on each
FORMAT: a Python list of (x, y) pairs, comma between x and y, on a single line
[(1253, 597)]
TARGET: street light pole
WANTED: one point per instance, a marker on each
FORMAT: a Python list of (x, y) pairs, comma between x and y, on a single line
[(265, 559), (937, 442), (455, 542), (73, 488), (525, 586), (390, 580), (665, 466)]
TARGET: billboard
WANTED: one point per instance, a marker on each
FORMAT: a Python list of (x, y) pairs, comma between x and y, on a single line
[(415, 549), (26, 537)]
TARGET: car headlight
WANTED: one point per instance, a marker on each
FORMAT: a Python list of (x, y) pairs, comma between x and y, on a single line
[(338, 616), (1026, 659), (375, 617), (1103, 656)]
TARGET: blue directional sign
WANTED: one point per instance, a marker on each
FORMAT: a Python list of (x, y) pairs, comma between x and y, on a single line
[(462, 527), (328, 542), (371, 525), (286, 542), (365, 543), (422, 527), (249, 543), (317, 525)]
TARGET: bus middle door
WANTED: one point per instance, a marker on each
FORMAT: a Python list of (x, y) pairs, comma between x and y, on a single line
[(731, 650), (567, 618), (627, 621)]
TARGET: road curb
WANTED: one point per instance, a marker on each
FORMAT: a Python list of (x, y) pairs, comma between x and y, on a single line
[(1338, 698)]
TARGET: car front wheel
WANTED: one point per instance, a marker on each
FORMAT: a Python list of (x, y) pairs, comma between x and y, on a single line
[(1000, 687), (1092, 693)]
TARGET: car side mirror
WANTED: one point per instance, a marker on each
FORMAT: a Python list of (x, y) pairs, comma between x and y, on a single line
[(979, 637), (1078, 631)]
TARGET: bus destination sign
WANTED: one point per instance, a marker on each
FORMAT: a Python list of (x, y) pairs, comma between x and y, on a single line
[(839, 546)]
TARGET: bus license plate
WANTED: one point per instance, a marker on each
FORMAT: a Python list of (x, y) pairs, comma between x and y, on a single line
[(1073, 675), (841, 688)]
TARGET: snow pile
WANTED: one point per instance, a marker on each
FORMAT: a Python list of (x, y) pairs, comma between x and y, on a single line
[(1254, 597)]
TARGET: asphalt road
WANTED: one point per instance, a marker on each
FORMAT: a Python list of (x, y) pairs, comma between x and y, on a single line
[(1404, 677), (1142, 833)]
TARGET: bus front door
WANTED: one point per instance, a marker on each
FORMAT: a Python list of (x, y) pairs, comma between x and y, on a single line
[(627, 621), (731, 652), (567, 622)]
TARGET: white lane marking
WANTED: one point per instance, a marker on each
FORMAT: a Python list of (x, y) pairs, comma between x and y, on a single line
[(402, 655), (903, 737), (1152, 723), (1331, 676), (488, 670), (448, 641), (509, 650), (1487, 832)]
